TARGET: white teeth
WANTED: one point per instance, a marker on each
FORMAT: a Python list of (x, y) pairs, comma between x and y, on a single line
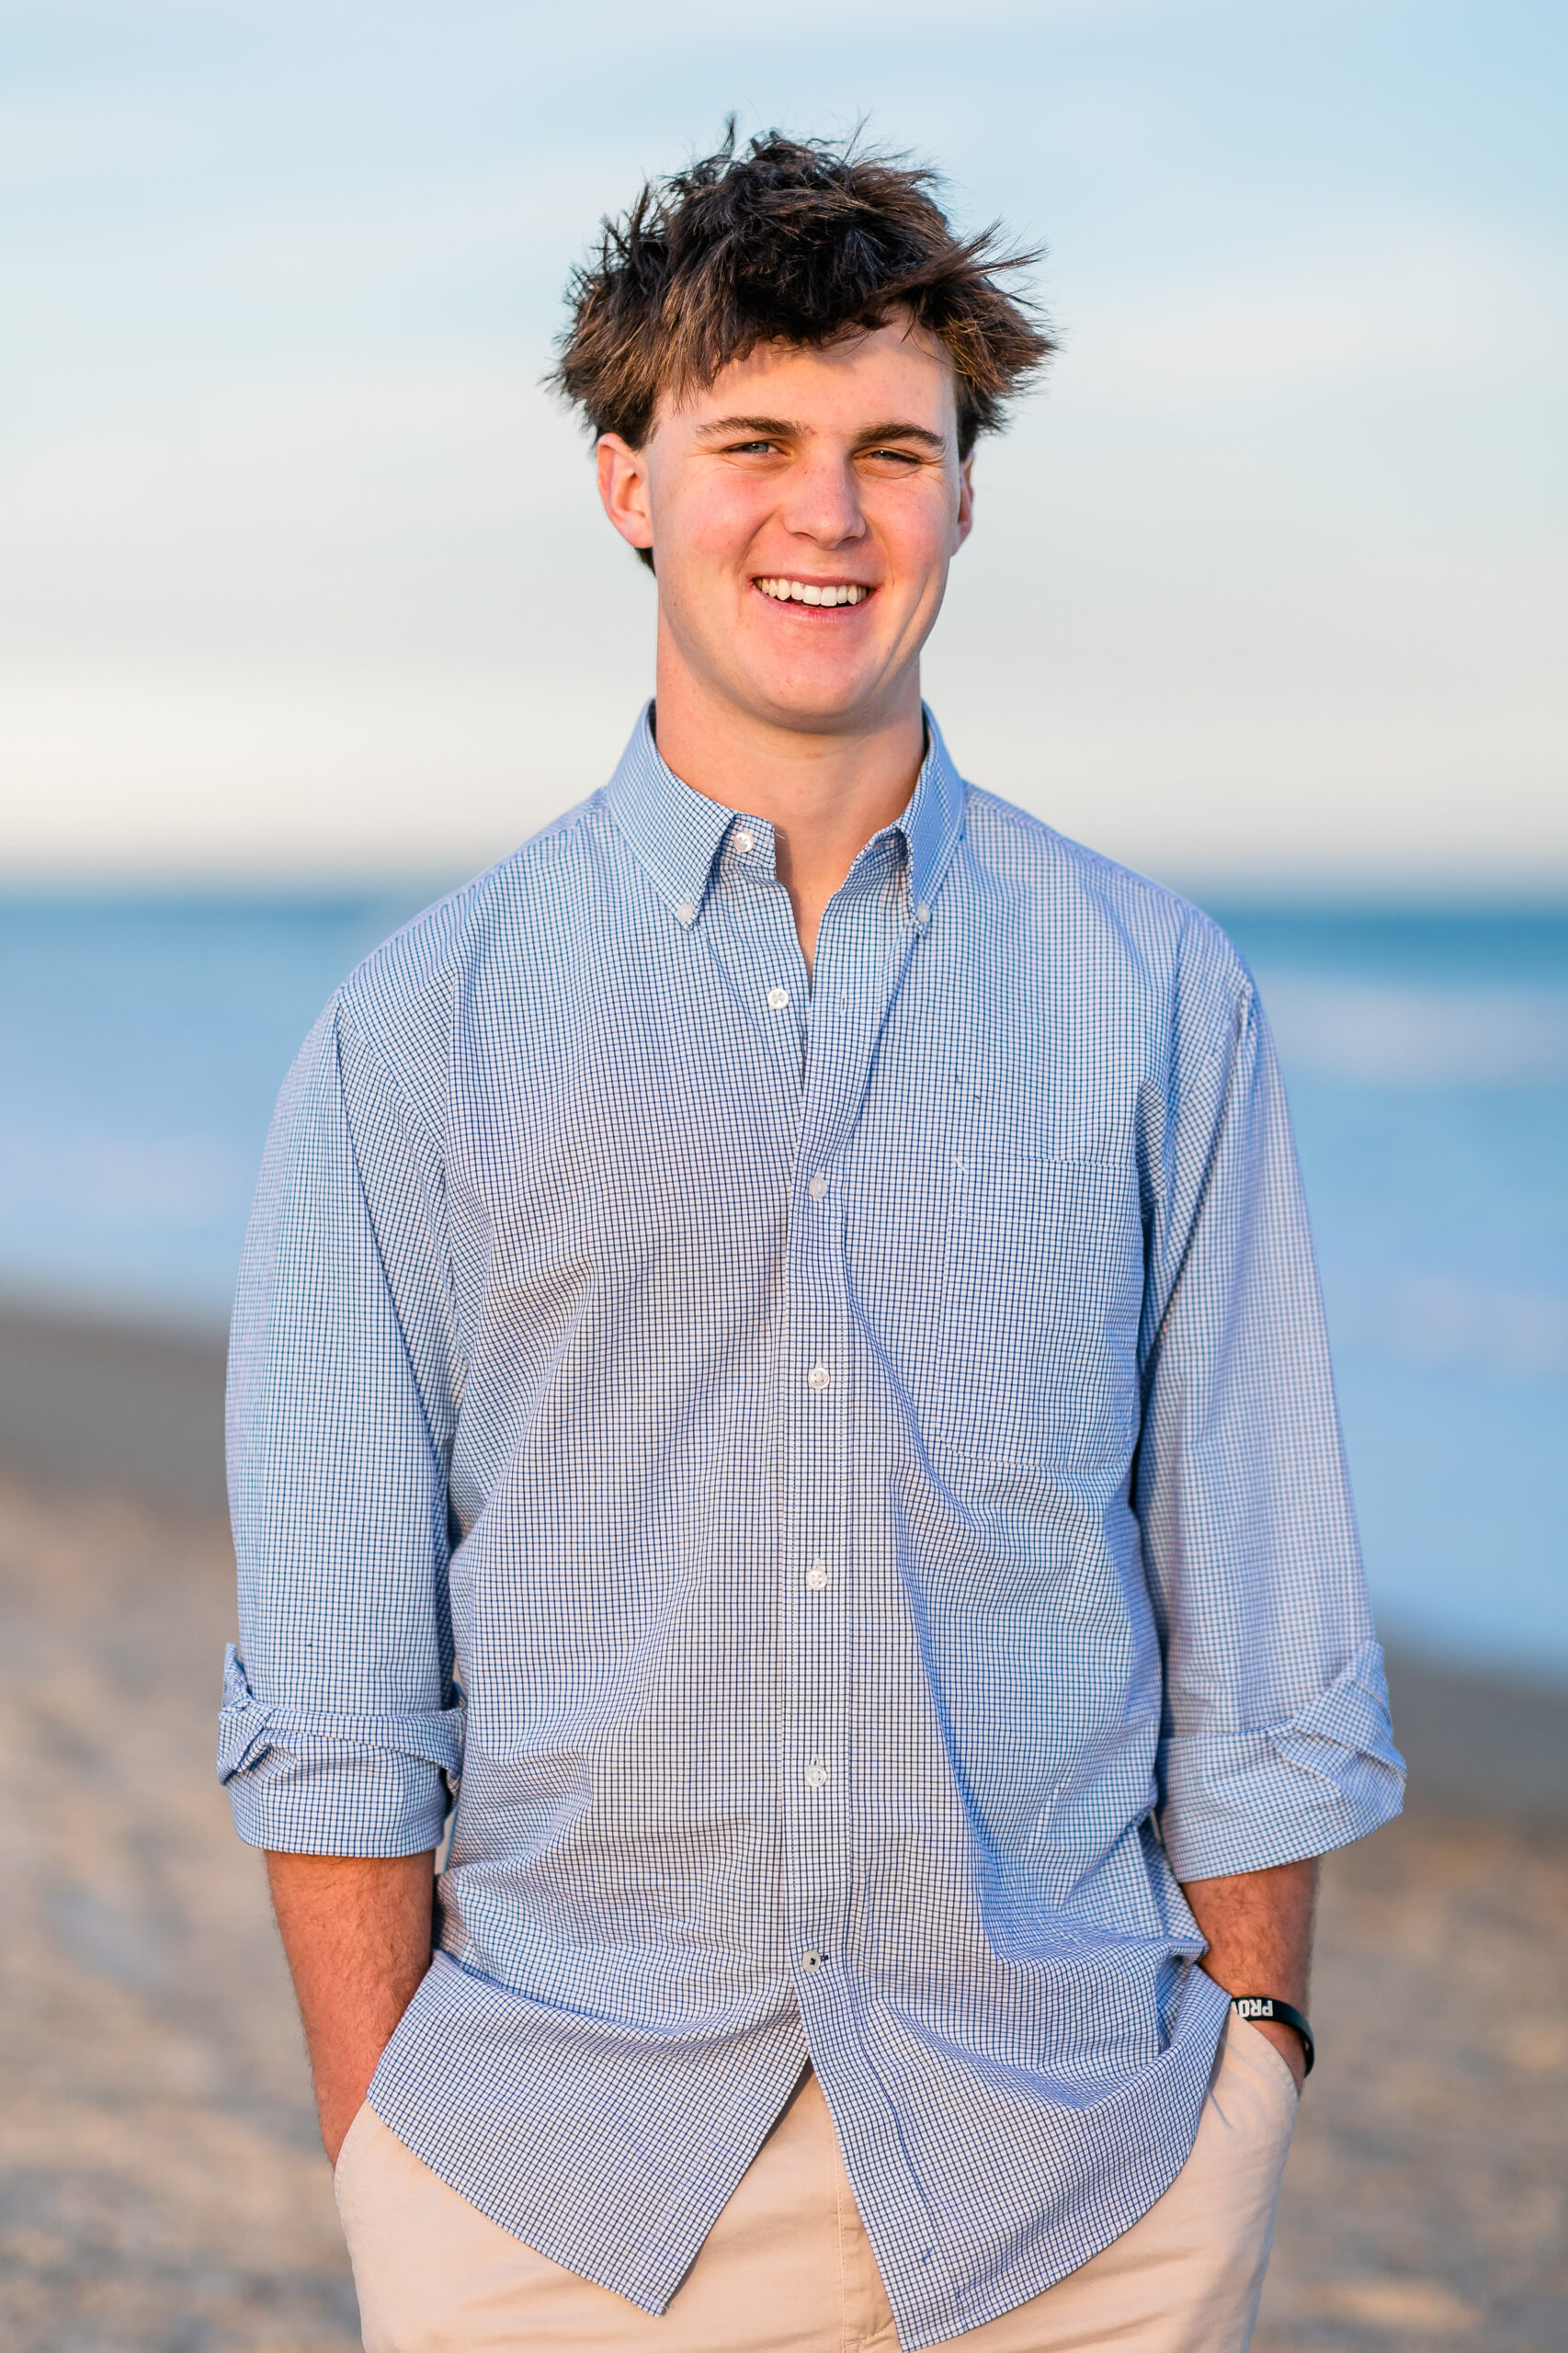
[(799, 592)]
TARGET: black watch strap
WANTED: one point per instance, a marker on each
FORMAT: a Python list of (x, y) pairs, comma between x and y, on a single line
[(1269, 2006)]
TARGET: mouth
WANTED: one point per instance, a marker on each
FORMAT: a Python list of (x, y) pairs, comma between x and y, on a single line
[(820, 593)]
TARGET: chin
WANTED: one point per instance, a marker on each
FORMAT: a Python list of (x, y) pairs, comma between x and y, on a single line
[(824, 716), (814, 703)]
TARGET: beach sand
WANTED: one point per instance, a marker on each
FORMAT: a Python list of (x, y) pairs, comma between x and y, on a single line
[(160, 2184)]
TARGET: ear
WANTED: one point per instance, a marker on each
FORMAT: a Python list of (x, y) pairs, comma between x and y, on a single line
[(623, 489), (963, 522)]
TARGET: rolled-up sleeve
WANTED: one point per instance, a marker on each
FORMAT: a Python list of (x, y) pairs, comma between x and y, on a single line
[(341, 1728), (1276, 1743)]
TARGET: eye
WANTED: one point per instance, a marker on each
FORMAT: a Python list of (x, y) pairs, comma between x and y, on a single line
[(894, 457), (750, 448)]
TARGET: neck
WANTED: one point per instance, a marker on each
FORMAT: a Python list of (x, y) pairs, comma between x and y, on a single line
[(824, 792)]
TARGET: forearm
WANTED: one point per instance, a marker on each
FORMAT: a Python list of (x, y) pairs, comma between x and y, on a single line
[(358, 1932), (1259, 1926)]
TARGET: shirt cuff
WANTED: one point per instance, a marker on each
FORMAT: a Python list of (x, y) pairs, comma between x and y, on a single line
[(1243, 1800), (331, 1781)]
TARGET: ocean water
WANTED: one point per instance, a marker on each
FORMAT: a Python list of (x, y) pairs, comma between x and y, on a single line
[(142, 1040)]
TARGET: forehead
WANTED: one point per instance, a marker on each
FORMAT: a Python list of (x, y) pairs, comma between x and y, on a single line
[(866, 375)]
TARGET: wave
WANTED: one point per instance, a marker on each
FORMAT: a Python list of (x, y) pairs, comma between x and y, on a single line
[(1373, 1033), (1436, 1321)]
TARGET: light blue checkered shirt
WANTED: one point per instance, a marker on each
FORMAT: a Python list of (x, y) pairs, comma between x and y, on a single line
[(847, 1471)]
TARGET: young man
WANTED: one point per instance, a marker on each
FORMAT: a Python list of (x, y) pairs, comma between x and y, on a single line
[(779, 1339)]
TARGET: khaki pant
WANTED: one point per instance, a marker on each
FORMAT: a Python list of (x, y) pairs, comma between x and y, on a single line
[(787, 2268)]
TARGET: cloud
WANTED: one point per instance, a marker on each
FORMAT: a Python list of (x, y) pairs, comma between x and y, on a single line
[(1380, 303), (212, 767)]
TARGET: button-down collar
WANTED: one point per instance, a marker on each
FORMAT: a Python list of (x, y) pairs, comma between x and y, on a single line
[(677, 833)]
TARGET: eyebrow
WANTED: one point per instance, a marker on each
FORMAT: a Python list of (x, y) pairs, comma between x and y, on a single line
[(772, 428), (897, 430), (782, 428)]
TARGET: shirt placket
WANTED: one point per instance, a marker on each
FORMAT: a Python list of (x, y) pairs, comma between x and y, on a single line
[(817, 1041), (860, 959)]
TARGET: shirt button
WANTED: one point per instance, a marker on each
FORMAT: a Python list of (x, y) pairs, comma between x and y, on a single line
[(687, 913), (744, 842), (819, 1378), (811, 1960), (777, 999), (817, 1188), (816, 1577), (816, 1774)]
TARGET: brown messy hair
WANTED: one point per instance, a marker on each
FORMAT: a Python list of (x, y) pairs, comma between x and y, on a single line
[(794, 240)]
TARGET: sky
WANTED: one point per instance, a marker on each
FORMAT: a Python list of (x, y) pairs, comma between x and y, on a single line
[(303, 575)]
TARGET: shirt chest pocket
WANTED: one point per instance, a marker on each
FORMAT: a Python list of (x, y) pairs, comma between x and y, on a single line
[(1042, 1287)]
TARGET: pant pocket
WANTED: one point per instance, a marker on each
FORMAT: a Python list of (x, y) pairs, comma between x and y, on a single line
[(348, 2147), (1263, 2051)]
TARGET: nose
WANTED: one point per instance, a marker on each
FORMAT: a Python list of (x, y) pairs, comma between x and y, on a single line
[(823, 502)]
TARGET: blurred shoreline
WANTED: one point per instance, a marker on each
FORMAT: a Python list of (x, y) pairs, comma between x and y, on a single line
[(100, 1405)]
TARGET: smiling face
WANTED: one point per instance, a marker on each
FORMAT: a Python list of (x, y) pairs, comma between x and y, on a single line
[(804, 510)]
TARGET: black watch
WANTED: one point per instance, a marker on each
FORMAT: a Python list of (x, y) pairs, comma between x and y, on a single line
[(1269, 2006)]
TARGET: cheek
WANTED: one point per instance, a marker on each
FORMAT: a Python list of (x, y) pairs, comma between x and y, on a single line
[(918, 536), (713, 530)]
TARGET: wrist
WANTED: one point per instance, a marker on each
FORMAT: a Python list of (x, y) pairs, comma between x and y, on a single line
[(342, 2085)]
